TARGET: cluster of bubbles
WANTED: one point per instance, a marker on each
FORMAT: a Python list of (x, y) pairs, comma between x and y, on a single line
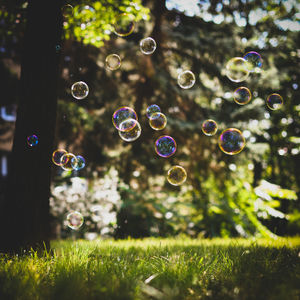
[(68, 161)]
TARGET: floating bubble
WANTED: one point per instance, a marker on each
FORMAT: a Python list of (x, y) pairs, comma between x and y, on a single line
[(232, 141), (124, 24), (176, 175), (254, 61), (86, 14), (165, 146), (274, 101), (186, 79), (68, 161), (147, 45), (32, 140), (134, 133), (75, 220), (122, 114), (152, 109), (56, 156), (242, 95), (113, 62), (237, 69), (158, 121), (209, 127), (67, 11), (78, 163), (79, 90)]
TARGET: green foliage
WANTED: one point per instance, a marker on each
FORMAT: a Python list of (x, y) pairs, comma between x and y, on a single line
[(155, 269)]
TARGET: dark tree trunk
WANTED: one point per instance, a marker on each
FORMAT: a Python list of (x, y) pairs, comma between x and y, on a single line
[(24, 211)]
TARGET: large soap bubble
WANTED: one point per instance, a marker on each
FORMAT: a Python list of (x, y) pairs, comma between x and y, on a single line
[(151, 109), (176, 175), (68, 161), (242, 95), (254, 61), (132, 134), (165, 146), (158, 121), (232, 141), (121, 114), (237, 69), (274, 101), (124, 24), (209, 127), (113, 62), (75, 220), (79, 90), (147, 45), (57, 155), (186, 79)]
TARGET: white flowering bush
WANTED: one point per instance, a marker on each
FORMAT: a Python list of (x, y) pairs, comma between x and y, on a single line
[(97, 199)]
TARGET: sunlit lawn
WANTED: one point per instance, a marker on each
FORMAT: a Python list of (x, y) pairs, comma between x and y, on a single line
[(156, 269)]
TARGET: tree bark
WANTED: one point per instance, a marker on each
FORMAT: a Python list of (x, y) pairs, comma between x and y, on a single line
[(24, 211)]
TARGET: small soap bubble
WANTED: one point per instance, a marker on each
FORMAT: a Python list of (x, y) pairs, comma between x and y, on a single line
[(147, 45), (242, 95), (152, 109), (254, 61), (134, 133), (232, 141), (124, 24), (122, 114), (186, 79), (165, 146), (176, 175), (237, 69), (78, 163), (113, 62), (209, 127), (67, 11), (158, 121), (68, 161), (56, 156), (32, 140), (86, 14), (274, 101), (75, 220), (79, 90)]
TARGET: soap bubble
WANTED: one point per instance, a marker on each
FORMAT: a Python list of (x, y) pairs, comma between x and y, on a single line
[(165, 146), (124, 24), (242, 95), (78, 163), (67, 11), (134, 133), (237, 69), (113, 62), (32, 140), (86, 14), (158, 121), (176, 175), (79, 90), (152, 109), (254, 61), (147, 45), (75, 220), (274, 101), (232, 141), (122, 114), (56, 156), (186, 79), (209, 127), (68, 161)]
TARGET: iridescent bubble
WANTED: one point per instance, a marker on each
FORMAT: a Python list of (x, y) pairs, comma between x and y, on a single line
[(78, 163), (122, 114), (134, 133), (237, 69), (153, 108), (75, 220), (147, 45), (158, 121), (79, 90), (232, 141), (165, 146), (242, 95), (113, 62), (186, 79), (86, 15), (254, 61), (176, 175), (68, 161), (32, 140), (209, 127), (274, 101), (124, 24), (56, 156), (67, 11)]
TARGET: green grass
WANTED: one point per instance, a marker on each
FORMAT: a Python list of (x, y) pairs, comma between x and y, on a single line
[(156, 269)]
